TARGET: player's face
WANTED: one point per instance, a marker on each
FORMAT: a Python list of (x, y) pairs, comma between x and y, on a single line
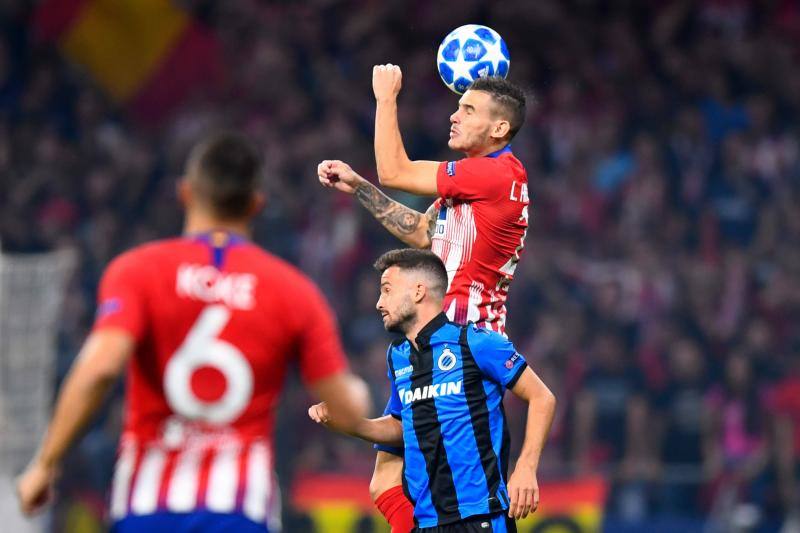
[(395, 303), (471, 124)]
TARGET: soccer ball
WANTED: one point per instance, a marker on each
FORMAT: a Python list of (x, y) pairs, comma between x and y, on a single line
[(469, 52)]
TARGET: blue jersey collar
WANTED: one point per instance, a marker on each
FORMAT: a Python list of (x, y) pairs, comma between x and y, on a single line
[(504, 150), (218, 241), (218, 238), (425, 334)]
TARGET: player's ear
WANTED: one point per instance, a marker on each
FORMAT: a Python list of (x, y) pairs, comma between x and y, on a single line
[(184, 192), (257, 203), (419, 293), (500, 129)]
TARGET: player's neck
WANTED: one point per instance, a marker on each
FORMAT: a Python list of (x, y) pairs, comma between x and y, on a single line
[(199, 222), (424, 316), (486, 150)]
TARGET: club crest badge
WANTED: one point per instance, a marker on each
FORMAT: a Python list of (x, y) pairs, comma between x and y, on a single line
[(447, 360)]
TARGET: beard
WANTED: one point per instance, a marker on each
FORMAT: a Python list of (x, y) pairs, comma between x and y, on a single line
[(405, 317)]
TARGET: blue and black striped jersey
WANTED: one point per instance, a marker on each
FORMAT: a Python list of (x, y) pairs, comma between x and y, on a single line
[(448, 393)]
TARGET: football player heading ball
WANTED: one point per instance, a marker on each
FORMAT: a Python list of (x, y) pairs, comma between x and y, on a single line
[(476, 225)]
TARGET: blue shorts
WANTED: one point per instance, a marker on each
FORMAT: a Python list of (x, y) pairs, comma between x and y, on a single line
[(494, 523), (394, 450), (200, 521)]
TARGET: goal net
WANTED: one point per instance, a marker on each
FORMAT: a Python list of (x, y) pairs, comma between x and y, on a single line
[(32, 287)]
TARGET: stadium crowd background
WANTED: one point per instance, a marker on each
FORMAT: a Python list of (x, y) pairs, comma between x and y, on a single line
[(659, 290)]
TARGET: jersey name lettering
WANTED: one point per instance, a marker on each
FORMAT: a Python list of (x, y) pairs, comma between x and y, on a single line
[(519, 192), (207, 284)]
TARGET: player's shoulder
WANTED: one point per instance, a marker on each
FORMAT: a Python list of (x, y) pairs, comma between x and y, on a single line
[(503, 164), (279, 276), (482, 338), (143, 255), (483, 162), (512, 160), (277, 267), (393, 346), (482, 334), (512, 165)]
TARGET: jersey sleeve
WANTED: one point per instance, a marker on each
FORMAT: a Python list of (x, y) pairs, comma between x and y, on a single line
[(320, 352), (496, 356), (121, 297), (470, 179), (393, 406)]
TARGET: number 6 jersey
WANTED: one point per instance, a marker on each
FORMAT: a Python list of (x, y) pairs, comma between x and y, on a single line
[(215, 333)]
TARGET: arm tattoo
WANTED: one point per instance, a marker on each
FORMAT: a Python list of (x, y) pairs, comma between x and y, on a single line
[(431, 215), (395, 217)]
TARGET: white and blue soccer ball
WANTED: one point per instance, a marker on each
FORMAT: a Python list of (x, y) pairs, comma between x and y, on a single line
[(469, 52)]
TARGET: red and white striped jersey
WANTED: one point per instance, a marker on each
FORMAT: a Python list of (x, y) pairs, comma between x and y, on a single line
[(214, 334), (480, 232)]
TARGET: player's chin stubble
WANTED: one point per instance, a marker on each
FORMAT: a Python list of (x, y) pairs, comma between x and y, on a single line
[(406, 317)]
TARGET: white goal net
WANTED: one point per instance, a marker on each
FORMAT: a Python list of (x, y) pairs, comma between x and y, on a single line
[(32, 287)]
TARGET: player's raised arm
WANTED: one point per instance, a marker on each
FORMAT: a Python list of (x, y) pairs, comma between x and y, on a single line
[(410, 226), (395, 169), (523, 487), (100, 363)]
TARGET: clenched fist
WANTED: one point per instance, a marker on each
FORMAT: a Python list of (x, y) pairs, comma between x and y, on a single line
[(35, 487), (386, 81), (338, 175), (319, 413)]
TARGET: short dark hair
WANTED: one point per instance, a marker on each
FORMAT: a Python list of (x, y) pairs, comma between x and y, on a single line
[(228, 173), (507, 96), (414, 259)]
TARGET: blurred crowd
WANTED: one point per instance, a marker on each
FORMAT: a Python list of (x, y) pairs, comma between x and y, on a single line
[(659, 291)]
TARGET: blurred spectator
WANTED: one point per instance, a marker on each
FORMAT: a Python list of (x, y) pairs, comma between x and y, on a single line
[(736, 433), (785, 404), (611, 408), (680, 424)]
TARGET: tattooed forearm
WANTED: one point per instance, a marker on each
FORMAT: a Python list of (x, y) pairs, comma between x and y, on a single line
[(430, 214), (397, 218)]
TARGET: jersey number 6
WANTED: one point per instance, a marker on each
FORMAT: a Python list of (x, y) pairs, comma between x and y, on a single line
[(202, 348)]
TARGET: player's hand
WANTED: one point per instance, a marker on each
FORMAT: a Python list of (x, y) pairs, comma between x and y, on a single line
[(523, 492), (319, 413), (338, 175), (35, 487), (386, 81)]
